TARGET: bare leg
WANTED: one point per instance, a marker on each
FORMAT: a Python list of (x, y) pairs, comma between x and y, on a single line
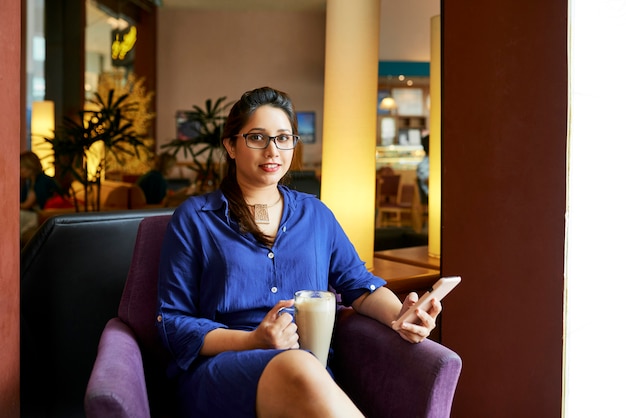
[(295, 383)]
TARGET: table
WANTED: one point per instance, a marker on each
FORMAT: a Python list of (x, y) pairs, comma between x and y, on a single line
[(404, 278), (415, 256)]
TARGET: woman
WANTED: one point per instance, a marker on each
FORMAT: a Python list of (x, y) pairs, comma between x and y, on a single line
[(36, 188), (154, 182), (232, 259)]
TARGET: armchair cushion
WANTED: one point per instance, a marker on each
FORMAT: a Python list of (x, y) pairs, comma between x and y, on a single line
[(389, 377), (117, 387)]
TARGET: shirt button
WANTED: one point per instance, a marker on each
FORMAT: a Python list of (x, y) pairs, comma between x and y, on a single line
[(372, 287), (159, 318), (284, 228), (270, 255), (274, 289)]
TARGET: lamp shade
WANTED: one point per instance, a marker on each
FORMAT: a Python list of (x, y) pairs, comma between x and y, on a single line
[(388, 103), (42, 126)]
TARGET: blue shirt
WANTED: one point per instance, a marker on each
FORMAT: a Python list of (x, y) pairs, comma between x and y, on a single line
[(423, 173), (45, 187), (213, 276)]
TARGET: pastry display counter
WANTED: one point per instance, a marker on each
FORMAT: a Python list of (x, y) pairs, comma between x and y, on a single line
[(399, 157)]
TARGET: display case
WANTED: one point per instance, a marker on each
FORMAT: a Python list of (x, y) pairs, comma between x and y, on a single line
[(399, 157)]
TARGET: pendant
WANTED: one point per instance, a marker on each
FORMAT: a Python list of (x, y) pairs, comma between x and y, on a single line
[(261, 215)]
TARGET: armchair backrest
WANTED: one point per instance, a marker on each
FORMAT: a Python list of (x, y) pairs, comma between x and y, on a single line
[(138, 307), (138, 303)]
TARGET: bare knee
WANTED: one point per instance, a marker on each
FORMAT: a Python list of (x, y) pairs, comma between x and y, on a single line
[(293, 379), (294, 370)]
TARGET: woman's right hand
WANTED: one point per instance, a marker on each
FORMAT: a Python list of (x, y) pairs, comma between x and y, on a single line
[(277, 330)]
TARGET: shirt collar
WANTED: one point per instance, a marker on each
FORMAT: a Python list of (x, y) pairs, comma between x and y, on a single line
[(217, 201)]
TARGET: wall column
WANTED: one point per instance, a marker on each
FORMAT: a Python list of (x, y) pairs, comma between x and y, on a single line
[(12, 121), (434, 181), (504, 159), (349, 132)]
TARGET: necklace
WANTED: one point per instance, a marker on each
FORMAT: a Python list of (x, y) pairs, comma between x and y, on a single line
[(261, 214)]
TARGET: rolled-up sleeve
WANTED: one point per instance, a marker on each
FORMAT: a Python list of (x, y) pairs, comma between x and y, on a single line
[(181, 329)]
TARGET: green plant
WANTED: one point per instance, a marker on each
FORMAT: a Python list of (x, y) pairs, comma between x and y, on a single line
[(142, 118), (209, 125), (103, 122)]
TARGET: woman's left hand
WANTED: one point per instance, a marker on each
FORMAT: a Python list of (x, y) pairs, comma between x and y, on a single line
[(418, 330)]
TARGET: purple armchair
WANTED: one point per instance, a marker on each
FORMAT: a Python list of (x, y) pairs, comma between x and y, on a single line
[(384, 375)]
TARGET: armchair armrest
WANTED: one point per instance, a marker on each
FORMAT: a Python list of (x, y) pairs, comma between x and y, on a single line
[(117, 386), (387, 376)]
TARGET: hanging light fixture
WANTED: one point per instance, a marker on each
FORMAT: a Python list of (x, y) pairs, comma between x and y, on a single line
[(388, 102)]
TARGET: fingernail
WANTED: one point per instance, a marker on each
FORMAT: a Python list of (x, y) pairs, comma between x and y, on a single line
[(285, 309)]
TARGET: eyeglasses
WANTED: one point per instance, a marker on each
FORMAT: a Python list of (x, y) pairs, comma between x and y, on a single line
[(256, 140)]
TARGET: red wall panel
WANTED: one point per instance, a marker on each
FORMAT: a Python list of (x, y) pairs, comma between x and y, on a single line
[(504, 148), (11, 121)]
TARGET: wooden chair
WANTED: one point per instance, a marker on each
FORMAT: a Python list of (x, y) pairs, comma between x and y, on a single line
[(407, 203), (387, 193), (388, 187)]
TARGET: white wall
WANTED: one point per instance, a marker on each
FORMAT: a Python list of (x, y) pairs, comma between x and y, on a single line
[(595, 366)]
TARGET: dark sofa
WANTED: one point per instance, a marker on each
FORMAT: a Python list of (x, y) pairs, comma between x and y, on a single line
[(304, 181), (73, 272)]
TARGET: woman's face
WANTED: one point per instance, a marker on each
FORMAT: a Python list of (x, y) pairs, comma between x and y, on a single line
[(262, 167)]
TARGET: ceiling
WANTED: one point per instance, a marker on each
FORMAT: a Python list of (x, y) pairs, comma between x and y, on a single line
[(99, 31), (239, 5)]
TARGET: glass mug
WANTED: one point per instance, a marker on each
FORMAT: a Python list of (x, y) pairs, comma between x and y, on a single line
[(314, 313)]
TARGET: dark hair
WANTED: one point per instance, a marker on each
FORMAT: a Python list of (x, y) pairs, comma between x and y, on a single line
[(426, 143), (30, 160), (239, 115)]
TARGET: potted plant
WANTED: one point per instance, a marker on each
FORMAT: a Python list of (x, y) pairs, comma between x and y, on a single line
[(107, 125), (208, 126), (142, 117)]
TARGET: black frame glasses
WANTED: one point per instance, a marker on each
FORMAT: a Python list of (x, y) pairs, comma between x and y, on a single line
[(257, 140)]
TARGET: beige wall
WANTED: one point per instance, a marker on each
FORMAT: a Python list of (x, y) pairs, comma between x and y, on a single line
[(405, 29), (204, 54), (207, 54)]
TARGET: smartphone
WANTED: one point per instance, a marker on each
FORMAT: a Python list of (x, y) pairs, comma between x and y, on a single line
[(439, 290)]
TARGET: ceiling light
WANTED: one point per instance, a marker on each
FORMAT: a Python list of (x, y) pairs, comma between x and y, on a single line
[(388, 103)]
